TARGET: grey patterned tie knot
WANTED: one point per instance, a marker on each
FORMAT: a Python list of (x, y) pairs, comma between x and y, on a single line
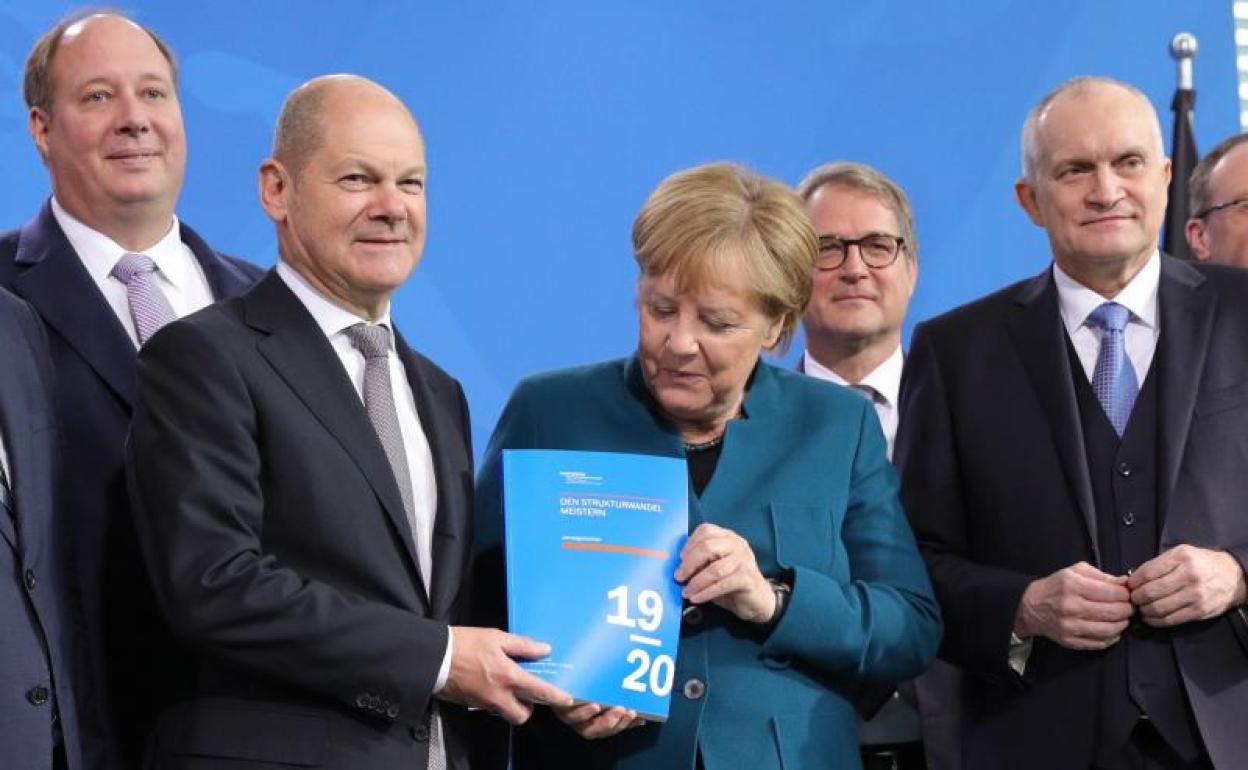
[(1113, 379), (148, 306), (373, 342)]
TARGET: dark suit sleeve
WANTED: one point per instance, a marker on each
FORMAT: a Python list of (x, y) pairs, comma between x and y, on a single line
[(194, 467), (884, 624), (978, 601)]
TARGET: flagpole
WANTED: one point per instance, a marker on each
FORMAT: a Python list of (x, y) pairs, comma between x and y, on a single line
[(1183, 154), (1183, 47)]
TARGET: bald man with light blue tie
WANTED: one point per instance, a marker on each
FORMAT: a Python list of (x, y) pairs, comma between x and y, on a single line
[(1074, 455)]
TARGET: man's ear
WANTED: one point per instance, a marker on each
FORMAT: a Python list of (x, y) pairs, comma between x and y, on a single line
[(1025, 194), (272, 184), (39, 123), (1197, 238)]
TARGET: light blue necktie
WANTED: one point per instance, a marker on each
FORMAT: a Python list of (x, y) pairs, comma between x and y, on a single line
[(1114, 380)]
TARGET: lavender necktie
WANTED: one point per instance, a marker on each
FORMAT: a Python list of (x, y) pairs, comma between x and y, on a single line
[(148, 306), (373, 342), (1113, 379)]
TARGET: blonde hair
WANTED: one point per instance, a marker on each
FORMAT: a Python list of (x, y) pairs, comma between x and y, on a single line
[(700, 222)]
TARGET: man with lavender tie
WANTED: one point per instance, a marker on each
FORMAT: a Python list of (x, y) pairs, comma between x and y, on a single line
[(1074, 454), (105, 262), (302, 480)]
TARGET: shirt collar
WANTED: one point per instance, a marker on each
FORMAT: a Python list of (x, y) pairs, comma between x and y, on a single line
[(330, 317), (885, 379), (1077, 301), (100, 254)]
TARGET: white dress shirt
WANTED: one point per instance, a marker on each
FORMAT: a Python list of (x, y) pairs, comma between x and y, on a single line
[(4, 462), (1076, 302), (885, 379), (178, 273), (334, 320)]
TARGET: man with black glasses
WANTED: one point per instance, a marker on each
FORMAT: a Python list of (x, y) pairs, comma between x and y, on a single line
[(868, 264), (867, 268), (1219, 195)]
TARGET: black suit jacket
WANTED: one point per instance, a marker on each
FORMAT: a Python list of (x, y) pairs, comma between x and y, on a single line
[(39, 642), (279, 548), (996, 482), (131, 663)]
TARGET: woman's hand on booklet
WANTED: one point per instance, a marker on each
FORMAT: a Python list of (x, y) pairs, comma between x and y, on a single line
[(591, 720)]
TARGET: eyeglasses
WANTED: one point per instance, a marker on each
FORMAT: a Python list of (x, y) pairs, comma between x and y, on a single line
[(877, 250), (1239, 204)]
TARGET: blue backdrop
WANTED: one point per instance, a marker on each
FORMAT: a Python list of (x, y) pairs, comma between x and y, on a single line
[(548, 123)]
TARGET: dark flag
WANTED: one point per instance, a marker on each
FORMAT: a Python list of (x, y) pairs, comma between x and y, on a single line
[(1183, 159)]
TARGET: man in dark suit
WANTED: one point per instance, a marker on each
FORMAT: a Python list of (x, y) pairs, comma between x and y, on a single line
[(1075, 462), (39, 642), (105, 118), (302, 480)]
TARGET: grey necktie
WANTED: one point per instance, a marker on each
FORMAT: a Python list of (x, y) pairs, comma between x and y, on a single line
[(373, 341), (868, 392), (148, 306)]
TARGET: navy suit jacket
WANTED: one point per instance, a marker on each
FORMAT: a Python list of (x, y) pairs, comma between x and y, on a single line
[(279, 547), (805, 480), (132, 667), (38, 641), (996, 482)]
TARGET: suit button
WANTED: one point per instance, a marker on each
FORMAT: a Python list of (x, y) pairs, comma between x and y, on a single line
[(1128, 518), (1125, 469), (420, 733), (694, 689), (37, 695), (30, 580), (693, 615)]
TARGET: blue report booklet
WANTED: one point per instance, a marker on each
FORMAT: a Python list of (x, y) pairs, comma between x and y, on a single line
[(592, 542)]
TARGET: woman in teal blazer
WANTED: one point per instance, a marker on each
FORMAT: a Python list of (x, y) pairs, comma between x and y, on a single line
[(801, 575)]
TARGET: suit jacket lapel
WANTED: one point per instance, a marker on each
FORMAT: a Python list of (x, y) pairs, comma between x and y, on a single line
[(1040, 339), (304, 359), (52, 278), (224, 279), (26, 431), (450, 541), (1185, 315), (12, 409)]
